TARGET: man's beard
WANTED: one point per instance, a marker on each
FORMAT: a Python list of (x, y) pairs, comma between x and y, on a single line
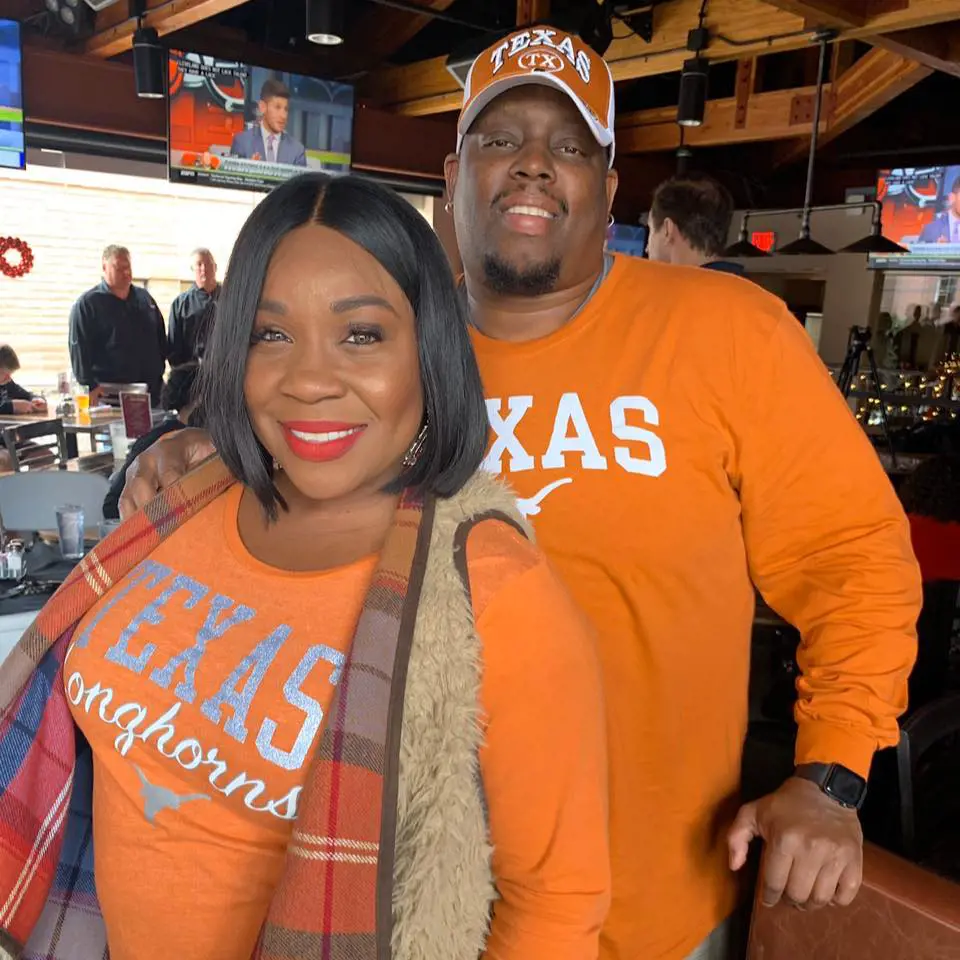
[(509, 281)]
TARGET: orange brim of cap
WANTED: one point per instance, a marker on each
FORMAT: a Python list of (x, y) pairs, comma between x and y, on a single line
[(602, 134)]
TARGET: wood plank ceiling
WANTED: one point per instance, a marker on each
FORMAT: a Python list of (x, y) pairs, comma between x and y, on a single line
[(900, 42)]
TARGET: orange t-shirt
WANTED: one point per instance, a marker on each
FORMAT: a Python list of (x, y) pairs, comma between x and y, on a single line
[(201, 682), (675, 440)]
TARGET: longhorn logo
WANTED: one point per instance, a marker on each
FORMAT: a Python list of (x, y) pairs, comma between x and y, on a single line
[(157, 799), (530, 506)]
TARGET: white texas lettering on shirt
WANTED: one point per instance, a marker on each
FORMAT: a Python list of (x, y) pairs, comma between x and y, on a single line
[(159, 589), (639, 451)]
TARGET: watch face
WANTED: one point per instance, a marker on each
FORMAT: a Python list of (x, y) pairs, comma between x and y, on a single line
[(845, 785)]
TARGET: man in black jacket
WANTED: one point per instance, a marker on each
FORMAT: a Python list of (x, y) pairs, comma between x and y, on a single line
[(116, 331), (192, 313)]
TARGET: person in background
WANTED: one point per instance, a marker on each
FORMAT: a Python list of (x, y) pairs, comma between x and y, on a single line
[(117, 333), (647, 415), (13, 397), (269, 140), (179, 398), (328, 664), (192, 313), (690, 224), (931, 497)]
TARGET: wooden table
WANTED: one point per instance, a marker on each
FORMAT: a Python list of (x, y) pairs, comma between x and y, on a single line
[(99, 463), (94, 423)]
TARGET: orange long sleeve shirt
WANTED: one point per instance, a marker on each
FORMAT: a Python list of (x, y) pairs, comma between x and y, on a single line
[(203, 647), (675, 443)]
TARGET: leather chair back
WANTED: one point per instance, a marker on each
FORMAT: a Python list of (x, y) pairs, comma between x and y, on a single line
[(902, 912)]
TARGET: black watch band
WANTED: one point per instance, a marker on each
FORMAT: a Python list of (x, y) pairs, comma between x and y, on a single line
[(836, 781)]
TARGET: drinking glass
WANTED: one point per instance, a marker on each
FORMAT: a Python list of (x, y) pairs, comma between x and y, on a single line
[(70, 528)]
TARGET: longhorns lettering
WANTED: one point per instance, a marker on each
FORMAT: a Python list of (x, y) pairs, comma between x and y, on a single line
[(529, 41)]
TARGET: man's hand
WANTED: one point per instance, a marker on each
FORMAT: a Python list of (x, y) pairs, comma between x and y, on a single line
[(38, 405), (23, 408), (96, 394), (814, 847), (169, 459)]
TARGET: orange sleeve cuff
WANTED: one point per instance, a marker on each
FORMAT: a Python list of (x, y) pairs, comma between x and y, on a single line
[(819, 742)]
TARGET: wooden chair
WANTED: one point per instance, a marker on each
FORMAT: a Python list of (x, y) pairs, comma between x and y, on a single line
[(40, 443), (29, 501)]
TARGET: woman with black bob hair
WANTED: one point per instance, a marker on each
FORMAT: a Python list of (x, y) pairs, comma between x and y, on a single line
[(331, 699), (389, 229)]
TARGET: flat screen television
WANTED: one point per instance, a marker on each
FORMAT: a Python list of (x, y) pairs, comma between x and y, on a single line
[(921, 211), (236, 125), (627, 238), (13, 152)]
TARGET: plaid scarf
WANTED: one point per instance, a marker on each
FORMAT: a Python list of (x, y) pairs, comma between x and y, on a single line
[(334, 899)]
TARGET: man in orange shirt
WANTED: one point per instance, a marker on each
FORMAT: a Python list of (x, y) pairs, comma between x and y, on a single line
[(675, 440)]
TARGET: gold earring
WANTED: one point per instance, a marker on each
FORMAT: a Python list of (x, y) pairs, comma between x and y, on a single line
[(412, 455)]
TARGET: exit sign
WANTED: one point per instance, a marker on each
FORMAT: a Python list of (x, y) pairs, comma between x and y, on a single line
[(764, 240)]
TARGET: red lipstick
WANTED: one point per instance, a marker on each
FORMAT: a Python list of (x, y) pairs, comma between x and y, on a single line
[(320, 441)]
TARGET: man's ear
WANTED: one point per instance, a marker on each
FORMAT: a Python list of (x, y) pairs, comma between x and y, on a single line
[(451, 172), (612, 182), (670, 231)]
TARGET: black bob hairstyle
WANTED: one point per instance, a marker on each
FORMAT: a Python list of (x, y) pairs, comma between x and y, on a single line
[(403, 243)]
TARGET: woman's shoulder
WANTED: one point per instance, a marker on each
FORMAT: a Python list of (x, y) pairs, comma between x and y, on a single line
[(499, 557)]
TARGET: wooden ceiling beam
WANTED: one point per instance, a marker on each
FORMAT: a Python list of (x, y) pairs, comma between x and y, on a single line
[(836, 14), (866, 19), (115, 26), (426, 86), (738, 29), (532, 11), (381, 32), (777, 115), (935, 47), (871, 83)]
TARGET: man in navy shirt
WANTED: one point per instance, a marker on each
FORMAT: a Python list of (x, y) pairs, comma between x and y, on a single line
[(116, 331), (690, 222)]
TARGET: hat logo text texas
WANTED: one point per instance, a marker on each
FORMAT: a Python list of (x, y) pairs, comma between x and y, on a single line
[(528, 48)]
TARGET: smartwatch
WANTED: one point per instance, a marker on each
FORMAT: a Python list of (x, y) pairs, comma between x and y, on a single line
[(836, 781)]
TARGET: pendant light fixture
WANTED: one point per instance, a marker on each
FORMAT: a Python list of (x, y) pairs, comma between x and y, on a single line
[(743, 247), (693, 92), (326, 22), (804, 245), (875, 242), (149, 59)]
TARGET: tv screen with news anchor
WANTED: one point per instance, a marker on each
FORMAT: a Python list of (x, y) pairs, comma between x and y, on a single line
[(237, 125), (13, 151), (921, 211)]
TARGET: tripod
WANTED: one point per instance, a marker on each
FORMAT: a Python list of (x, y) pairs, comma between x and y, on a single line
[(858, 343)]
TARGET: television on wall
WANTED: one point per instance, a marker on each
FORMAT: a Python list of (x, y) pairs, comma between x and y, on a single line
[(921, 211), (13, 152), (627, 238), (237, 125)]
